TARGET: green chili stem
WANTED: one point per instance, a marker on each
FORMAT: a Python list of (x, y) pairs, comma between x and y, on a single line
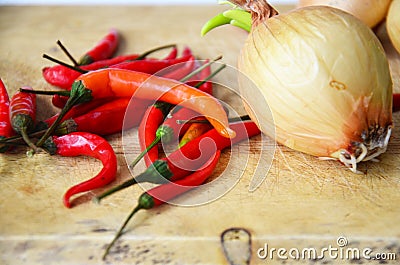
[(11, 143), (27, 140), (107, 193), (63, 128), (198, 70), (73, 67), (157, 173), (146, 53), (120, 231), (16, 139), (144, 152), (235, 119), (65, 50), (82, 71), (210, 76), (79, 94), (43, 92)]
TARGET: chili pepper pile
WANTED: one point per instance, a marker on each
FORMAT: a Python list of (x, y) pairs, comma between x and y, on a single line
[(96, 94)]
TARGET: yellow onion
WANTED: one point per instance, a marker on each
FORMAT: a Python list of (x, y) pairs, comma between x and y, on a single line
[(371, 12), (393, 24), (325, 77)]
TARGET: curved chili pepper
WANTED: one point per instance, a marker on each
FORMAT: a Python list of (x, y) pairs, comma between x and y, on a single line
[(151, 120), (63, 75), (6, 129), (108, 118), (168, 131), (87, 144), (123, 83), (166, 192), (23, 114), (396, 102), (104, 49), (189, 157)]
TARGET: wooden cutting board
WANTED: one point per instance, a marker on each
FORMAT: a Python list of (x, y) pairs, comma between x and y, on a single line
[(303, 202)]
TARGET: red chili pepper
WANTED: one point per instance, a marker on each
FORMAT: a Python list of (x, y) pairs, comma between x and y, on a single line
[(166, 192), (151, 132), (23, 114), (206, 86), (77, 110), (97, 117), (180, 71), (192, 155), (123, 83), (108, 118), (104, 49), (152, 119), (186, 51), (189, 157), (155, 116), (63, 75), (150, 66), (107, 83), (172, 54), (59, 101), (197, 129), (87, 144), (396, 102), (6, 129)]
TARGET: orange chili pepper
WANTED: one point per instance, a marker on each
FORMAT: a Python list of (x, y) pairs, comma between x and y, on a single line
[(195, 130), (124, 83)]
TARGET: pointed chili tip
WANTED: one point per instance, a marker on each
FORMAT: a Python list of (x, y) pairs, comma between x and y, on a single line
[(228, 132), (68, 194), (66, 201)]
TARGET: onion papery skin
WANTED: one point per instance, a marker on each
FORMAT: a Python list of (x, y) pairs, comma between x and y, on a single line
[(326, 79), (371, 12), (393, 24)]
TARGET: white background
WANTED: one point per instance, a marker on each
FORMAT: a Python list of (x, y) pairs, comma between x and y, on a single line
[(120, 2)]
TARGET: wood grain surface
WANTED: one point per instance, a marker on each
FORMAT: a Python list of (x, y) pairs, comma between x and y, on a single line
[(303, 202)]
